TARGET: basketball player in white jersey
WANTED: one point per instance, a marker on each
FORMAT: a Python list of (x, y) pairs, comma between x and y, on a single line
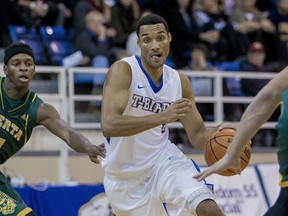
[(145, 174)]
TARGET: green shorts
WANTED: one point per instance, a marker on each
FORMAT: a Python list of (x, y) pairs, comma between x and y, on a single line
[(10, 201)]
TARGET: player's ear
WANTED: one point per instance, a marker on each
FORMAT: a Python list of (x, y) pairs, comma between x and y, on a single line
[(5, 69), (170, 37)]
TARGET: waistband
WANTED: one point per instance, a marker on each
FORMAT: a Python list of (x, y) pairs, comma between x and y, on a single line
[(129, 175)]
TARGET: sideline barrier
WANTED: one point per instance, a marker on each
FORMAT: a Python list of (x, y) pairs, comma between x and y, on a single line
[(248, 194)]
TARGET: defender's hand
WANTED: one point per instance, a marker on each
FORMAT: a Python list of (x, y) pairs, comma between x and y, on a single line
[(221, 165), (96, 151)]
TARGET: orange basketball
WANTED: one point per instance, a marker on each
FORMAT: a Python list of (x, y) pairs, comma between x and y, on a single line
[(217, 146)]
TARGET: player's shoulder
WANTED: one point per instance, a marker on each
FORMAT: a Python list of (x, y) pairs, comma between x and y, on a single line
[(119, 71), (183, 76), (120, 64), (46, 111)]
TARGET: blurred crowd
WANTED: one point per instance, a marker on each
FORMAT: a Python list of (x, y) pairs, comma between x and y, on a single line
[(223, 29)]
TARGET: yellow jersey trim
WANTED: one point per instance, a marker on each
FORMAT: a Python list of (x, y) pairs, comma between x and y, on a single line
[(25, 212)]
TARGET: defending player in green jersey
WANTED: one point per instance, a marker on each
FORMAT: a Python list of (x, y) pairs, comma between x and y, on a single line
[(20, 111)]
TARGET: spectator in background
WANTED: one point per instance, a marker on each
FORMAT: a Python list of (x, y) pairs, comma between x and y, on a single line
[(95, 45), (94, 42), (65, 17), (278, 15), (254, 62), (4, 35), (200, 58), (185, 32), (83, 7), (211, 17), (157, 7), (131, 44), (125, 14), (31, 14), (203, 86), (251, 26), (40, 12)]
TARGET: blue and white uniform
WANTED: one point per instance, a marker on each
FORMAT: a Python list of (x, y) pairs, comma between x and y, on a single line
[(146, 174)]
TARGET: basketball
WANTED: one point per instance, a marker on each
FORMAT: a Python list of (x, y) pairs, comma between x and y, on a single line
[(217, 146)]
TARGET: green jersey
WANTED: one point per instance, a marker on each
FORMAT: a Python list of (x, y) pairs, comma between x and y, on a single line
[(282, 140), (17, 120)]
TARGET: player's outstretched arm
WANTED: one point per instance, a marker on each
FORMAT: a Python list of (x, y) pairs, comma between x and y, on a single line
[(49, 117), (256, 114)]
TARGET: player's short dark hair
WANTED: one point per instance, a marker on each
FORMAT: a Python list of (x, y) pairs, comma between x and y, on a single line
[(16, 48), (151, 19)]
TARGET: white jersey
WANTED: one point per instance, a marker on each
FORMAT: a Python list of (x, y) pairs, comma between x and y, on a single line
[(138, 152)]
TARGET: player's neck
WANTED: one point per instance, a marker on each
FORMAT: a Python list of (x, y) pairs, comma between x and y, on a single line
[(12, 91)]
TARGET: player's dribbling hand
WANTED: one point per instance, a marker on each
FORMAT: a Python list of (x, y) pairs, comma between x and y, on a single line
[(177, 110), (96, 151), (221, 165)]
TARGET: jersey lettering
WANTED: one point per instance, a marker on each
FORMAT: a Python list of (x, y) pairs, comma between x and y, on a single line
[(10, 127), (148, 104)]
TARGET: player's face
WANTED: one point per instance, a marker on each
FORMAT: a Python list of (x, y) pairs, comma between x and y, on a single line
[(20, 69), (154, 42)]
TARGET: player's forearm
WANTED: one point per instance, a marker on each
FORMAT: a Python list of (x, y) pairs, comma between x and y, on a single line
[(78, 142), (128, 125), (253, 118), (201, 138)]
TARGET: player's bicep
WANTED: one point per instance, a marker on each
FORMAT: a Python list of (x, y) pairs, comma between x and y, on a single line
[(193, 122), (116, 91), (49, 117)]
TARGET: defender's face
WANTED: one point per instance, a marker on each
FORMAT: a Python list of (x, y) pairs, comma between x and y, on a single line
[(154, 42), (20, 69)]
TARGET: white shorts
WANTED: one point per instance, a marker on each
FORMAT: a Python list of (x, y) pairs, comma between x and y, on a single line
[(159, 191)]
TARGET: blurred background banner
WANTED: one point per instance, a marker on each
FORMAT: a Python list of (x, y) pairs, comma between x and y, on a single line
[(245, 194)]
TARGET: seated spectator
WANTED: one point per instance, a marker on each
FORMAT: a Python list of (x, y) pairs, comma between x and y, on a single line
[(125, 14), (5, 39), (203, 86), (185, 32), (251, 25), (94, 42), (200, 58), (83, 7), (131, 44), (96, 46), (278, 15), (254, 62), (211, 17), (45, 13)]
